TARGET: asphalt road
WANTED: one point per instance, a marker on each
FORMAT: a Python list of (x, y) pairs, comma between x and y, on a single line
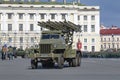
[(91, 69)]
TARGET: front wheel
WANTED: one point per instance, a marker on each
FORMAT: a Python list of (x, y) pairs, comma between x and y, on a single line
[(60, 62), (34, 64), (76, 61)]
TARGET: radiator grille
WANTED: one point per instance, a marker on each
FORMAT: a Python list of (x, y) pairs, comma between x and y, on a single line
[(45, 48)]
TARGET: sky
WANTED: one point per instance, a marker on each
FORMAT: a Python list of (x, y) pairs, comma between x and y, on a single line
[(109, 10)]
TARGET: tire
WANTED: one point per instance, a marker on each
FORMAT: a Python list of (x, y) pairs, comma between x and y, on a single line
[(34, 64), (70, 63), (51, 64), (60, 62), (74, 62)]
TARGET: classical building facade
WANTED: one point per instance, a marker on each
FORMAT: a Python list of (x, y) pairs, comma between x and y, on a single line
[(110, 38), (18, 23)]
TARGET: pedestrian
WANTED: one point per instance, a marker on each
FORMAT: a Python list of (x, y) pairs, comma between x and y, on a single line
[(10, 53), (4, 53)]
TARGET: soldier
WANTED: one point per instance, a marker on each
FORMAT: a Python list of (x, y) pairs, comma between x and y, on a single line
[(4, 52), (79, 45), (10, 53)]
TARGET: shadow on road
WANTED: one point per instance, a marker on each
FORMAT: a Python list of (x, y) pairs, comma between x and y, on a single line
[(55, 67)]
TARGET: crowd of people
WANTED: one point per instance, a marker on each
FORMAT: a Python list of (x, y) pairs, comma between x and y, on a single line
[(7, 53)]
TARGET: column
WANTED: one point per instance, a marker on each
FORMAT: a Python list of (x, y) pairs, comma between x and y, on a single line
[(26, 22), (47, 17), (58, 17), (4, 25), (75, 18)]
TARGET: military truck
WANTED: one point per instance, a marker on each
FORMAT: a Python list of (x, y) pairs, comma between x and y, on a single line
[(56, 45)]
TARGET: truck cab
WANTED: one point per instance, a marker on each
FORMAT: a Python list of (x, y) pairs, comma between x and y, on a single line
[(51, 49)]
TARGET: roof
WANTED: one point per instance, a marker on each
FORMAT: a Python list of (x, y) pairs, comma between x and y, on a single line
[(38, 2), (110, 31)]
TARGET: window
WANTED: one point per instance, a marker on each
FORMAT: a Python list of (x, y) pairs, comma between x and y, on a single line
[(0, 15), (0, 27), (104, 45), (52, 16), (20, 27), (92, 17), (31, 27), (93, 40), (117, 39), (93, 48), (10, 39), (9, 27), (113, 45), (101, 39), (78, 17), (63, 16), (31, 16), (50, 36), (101, 46), (109, 45), (92, 28), (104, 39), (113, 39), (0, 40), (109, 39), (32, 40), (85, 48), (9, 15), (85, 28), (21, 39), (20, 15), (117, 46), (42, 16), (85, 40), (85, 17)]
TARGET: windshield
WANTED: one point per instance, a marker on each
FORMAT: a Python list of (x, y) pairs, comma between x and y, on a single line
[(50, 36)]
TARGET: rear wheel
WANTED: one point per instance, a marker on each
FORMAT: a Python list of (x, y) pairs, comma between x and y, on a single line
[(70, 63), (34, 64), (74, 62), (60, 62)]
